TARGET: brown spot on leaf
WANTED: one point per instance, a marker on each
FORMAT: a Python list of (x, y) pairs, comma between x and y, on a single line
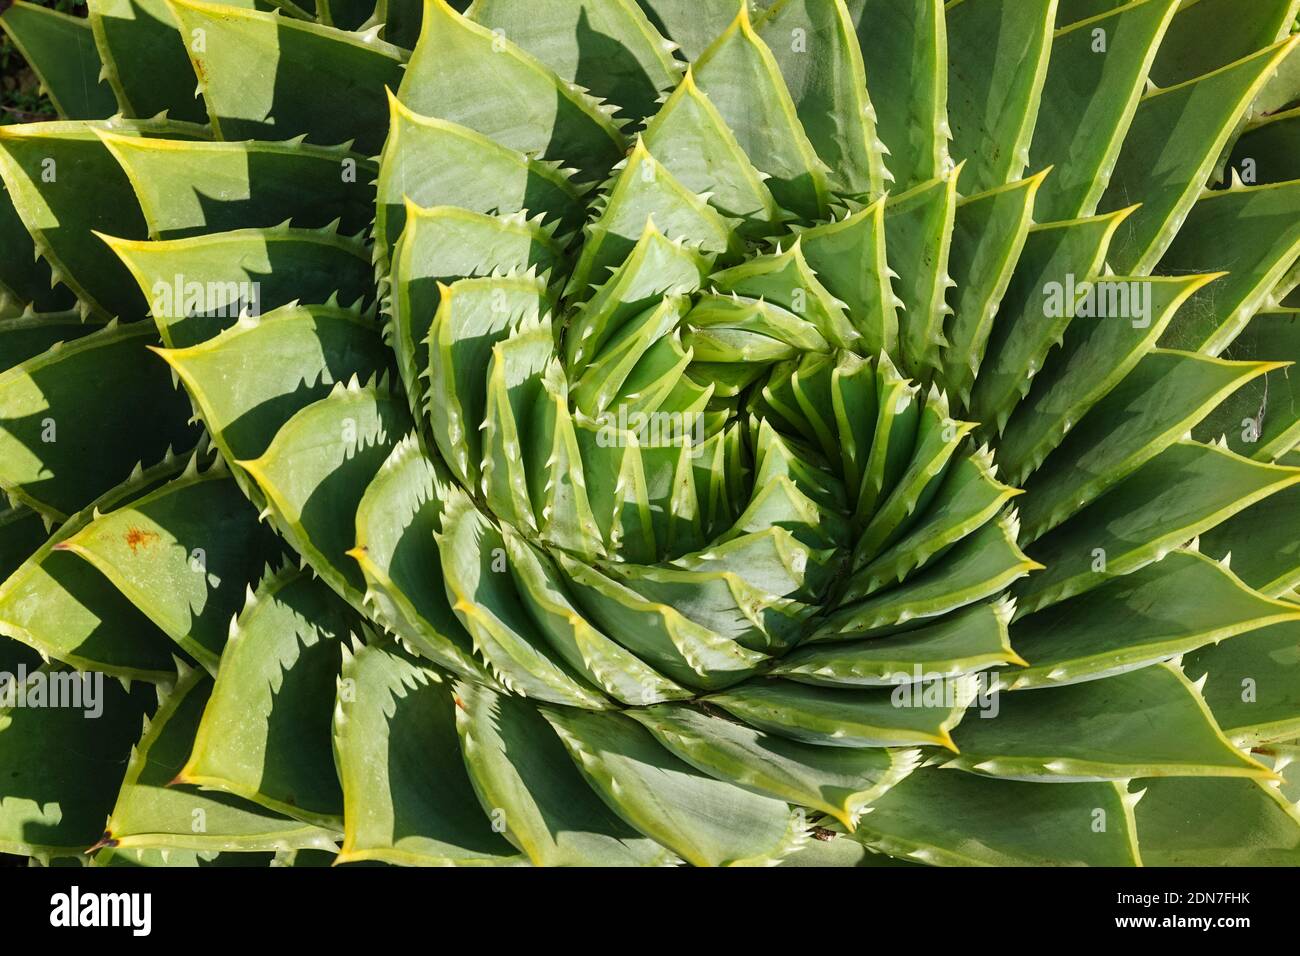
[(137, 538)]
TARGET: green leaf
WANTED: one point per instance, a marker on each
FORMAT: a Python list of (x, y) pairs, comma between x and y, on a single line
[(26, 336), (692, 140), (62, 764), (445, 243), (1208, 822), (61, 50), (614, 476), (1072, 11), (46, 438), (1125, 622), (1177, 137), (1262, 419), (968, 496), (791, 490), (771, 560), (190, 188), (937, 437), (467, 74), (1041, 301), (1250, 684), (561, 504), (685, 651), (840, 781), (396, 521), (897, 415), (25, 278), (1265, 152), (266, 735), (788, 280), (144, 57), (1286, 295), (853, 397), (515, 391), (644, 190), (153, 811), (961, 819), (1150, 722), (483, 595), (978, 566), (799, 399), (1164, 396), (434, 162), (1208, 34), (918, 234), (198, 287), (264, 76), (66, 185), (1261, 540), (473, 318), (64, 608), (585, 649), (524, 778), (742, 78), (705, 821), (1282, 90), (183, 554), (318, 467), (988, 236), (1095, 78), (905, 45), (997, 65), (1094, 357), (251, 379), (348, 14), (829, 849), (691, 24), (406, 796), (186, 858), (656, 268), (816, 45), (1257, 258), (733, 329), (722, 601), (21, 532), (970, 640), (848, 259), (609, 48), (908, 715), (1184, 491)]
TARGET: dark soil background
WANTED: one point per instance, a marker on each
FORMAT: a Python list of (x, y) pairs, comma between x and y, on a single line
[(20, 99)]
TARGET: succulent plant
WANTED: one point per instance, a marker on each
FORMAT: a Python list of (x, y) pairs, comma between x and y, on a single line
[(607, 432)]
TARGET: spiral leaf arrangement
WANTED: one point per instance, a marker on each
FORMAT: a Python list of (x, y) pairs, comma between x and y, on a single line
[(598, 432)]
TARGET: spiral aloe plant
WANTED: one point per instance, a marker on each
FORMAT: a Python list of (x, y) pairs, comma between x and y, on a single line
[(606, 432)]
